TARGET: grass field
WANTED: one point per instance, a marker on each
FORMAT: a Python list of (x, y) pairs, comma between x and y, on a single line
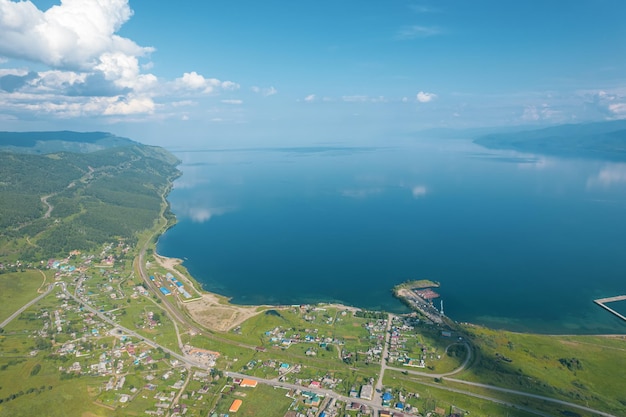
[(262, 401), (17, 289), (428, 398), (582, 369), (51, 397)]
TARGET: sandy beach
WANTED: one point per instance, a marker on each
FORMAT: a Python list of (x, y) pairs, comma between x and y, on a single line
[(210, 310)]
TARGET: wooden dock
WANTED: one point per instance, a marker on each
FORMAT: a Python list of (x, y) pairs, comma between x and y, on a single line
[(602, 302)]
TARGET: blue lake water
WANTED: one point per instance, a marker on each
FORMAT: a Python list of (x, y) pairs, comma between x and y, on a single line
[(517, 241)]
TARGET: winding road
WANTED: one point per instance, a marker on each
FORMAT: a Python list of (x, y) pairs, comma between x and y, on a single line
[(30, 303), (373, 404)]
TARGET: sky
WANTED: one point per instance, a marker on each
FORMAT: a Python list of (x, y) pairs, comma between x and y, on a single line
[(243, 73)]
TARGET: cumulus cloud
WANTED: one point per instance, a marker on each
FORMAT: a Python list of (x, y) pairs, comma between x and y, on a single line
[(310, 97), (618, 110), (91, 69), (232, 101), (424, 97), (130, 106), (72, 35), (610, 104), (542, 112), (266, 92), (192, 81)]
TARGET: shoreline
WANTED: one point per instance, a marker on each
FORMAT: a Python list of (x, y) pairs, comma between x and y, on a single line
[(210, 310), (208, 299), (238, 313), (216, 312)]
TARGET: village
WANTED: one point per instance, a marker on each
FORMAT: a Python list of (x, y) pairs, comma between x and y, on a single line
[(81, 330)]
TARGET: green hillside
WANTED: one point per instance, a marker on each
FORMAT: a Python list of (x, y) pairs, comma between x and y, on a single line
[(60, 201), (61, 141)]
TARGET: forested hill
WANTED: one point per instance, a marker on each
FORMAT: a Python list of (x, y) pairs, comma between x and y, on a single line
[(60, 201), (48, 142), (604, 140)]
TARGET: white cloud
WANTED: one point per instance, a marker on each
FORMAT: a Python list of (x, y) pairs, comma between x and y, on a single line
[(132, 106), (232, 101), (73, 35), (310, 97), (192, 81), (419, 191), (618, 110), (424, 97), (229, 85), (416, 31), (266, 92), (92, 71), (542, 112), (610, 104)]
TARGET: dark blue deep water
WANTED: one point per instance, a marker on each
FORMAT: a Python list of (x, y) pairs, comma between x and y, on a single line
[(517, 241)]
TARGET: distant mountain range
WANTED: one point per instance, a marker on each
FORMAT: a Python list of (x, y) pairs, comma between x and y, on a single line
[(61, 141), (603, 140)]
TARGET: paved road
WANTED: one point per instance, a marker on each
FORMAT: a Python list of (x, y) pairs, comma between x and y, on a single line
[(535, 396), (174, 312), (320, 391), (152, 343), (468, 358), (30, 303), (486, 398), (383, 356), (326, 392)]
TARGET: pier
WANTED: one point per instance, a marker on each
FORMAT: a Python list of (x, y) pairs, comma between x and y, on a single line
[(602, 302)]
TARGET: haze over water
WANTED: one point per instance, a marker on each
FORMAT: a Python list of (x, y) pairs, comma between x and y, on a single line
[(517, 241)]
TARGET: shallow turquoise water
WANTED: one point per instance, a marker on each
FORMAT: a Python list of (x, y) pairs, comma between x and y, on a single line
[(517, 241)]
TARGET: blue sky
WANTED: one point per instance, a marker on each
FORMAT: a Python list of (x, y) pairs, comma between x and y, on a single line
[(242, 73)]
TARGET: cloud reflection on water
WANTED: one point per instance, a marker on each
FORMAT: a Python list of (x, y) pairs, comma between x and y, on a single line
[(609, 175)]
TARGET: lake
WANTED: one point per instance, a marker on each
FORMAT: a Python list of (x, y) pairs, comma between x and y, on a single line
[(517, 241)]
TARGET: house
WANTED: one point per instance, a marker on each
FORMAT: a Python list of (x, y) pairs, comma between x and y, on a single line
[(251, 383), (234, 407), (367, 392)]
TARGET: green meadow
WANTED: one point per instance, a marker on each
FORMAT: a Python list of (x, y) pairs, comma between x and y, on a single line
[(582, 369), (18, 288)]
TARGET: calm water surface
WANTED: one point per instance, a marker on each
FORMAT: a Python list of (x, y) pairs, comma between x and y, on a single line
[(517, 241)]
